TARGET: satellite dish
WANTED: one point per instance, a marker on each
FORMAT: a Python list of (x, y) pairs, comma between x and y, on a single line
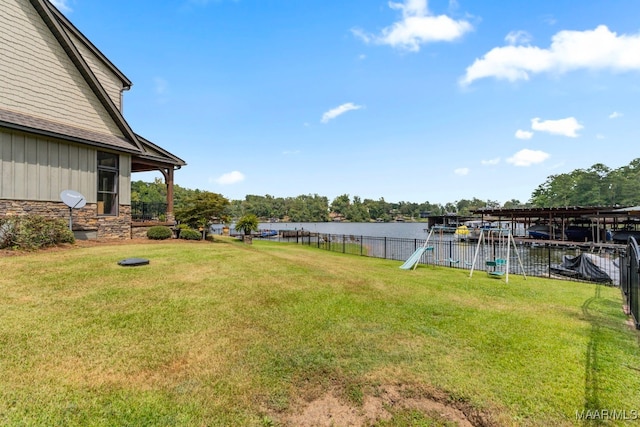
[(74, 200)]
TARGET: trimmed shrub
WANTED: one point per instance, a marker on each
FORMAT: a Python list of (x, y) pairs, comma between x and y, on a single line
[(178, 229), (31, 232), (159, 232), (190, 235)]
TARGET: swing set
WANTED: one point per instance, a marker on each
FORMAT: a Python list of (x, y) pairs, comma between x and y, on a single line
[(436, 248), (495, 245), (443, 250)]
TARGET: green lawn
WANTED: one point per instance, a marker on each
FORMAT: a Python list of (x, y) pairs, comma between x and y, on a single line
[(226, 334)]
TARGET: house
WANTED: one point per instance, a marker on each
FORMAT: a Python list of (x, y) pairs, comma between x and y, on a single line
[(62, 128)]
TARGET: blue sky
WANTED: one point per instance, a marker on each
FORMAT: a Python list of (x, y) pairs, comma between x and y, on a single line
[(408, 100)]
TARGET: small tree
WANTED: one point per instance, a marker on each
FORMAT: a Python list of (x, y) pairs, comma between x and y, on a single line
[(247, 224), (202, 209)]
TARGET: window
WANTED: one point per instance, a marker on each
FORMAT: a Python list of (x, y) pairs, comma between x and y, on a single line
[(107, 183)]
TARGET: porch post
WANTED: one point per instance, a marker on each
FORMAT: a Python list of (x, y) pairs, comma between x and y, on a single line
[(169, 179)]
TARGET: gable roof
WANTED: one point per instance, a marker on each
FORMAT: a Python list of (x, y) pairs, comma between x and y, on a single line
[(155, 154), (30, 124), (126, 83), (46, 11), (61, 28)]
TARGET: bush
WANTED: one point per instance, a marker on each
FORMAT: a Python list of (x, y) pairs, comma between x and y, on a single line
[(159, 232), (190, 235), (31, 232)]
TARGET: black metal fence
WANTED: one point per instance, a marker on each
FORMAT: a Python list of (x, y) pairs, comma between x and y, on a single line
[(141, 211), (531, 259), (630, 279)]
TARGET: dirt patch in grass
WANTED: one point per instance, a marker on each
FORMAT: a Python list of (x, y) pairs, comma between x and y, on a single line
[(382, 405)]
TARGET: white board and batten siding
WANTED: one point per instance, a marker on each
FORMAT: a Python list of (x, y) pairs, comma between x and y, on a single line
[(39, 169)]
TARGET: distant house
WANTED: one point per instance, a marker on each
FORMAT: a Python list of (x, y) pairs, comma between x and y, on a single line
[(62, 128)]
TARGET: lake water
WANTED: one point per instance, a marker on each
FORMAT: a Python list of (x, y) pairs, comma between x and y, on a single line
[(404, 230)]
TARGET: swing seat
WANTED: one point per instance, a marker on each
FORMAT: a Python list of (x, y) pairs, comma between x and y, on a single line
[(495, 264), (449, 260)]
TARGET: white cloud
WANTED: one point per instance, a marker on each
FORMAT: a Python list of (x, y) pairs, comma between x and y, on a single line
[(518, 37), (62, 5), (566, 127), (335, 112), (161, 85), (600, 136), (615, 115), (461, 171), (570, 50), (229, 178), (490, 162), (528, 157), (524, 134), (417, 27)]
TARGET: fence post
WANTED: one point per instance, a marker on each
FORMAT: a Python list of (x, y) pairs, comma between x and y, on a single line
[(344, 243), (385, 247), (549, 260), (361, 239)]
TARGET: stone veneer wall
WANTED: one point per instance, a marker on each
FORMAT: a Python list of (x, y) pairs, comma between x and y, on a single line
[(139, 229), (85, 219)]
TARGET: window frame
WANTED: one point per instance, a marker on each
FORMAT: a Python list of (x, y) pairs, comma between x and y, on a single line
[(115, 170)]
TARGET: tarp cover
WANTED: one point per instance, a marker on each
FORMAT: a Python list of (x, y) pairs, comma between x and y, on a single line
[(589, 267)]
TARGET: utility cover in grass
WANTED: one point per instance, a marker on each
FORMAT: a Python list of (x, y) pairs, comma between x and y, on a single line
[(133, 262)]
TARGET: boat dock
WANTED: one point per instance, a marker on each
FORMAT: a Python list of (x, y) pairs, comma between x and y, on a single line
[(607, 227)]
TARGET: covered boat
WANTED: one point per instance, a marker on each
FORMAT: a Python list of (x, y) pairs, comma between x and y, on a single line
[(622, 236), (578, 233), (591, 267), (544, 232)]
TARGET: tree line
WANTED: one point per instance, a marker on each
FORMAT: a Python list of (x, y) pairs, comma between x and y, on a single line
[(598, 185)]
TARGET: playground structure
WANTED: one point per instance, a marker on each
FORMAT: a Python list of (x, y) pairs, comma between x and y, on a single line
[(495, 245), (412, 262), (437, 249)]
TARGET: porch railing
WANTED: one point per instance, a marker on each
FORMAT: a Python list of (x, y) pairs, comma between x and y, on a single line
[(144, 212)]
